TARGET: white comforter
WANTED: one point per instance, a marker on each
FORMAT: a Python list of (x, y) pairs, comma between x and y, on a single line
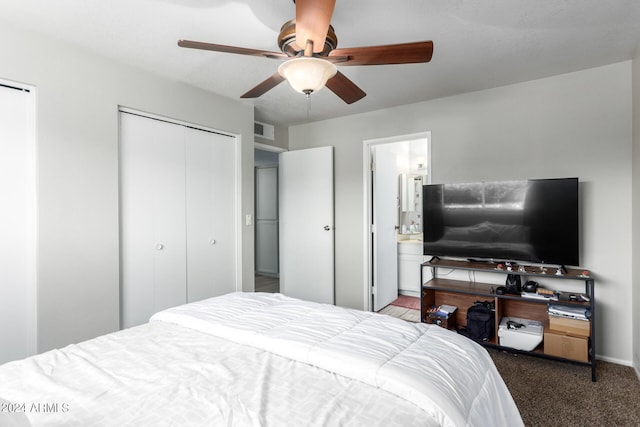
[(262, 360)]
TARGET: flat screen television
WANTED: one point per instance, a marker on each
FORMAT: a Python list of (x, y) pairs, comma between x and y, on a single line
[(534, 221)]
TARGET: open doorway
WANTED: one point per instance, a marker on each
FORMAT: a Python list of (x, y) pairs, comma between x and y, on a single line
[(267, 275), (394, 241)]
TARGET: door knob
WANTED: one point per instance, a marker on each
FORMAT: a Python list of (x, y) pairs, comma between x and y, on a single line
[(327, 228), (159, 246), (212, 241)]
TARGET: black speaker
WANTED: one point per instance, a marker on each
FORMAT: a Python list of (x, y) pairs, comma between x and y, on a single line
[(513, 284)]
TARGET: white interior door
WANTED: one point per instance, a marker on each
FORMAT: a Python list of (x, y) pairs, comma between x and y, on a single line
[(17, 224), (306, 224), (385, 220), (152, 173), (210, 201)]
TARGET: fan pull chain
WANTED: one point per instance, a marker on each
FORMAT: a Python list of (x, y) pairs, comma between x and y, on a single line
[(308, 105)]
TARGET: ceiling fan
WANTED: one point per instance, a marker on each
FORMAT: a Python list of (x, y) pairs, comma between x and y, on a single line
[(309, 49)]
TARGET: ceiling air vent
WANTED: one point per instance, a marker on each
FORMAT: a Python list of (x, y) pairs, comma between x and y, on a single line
[(263, 130)]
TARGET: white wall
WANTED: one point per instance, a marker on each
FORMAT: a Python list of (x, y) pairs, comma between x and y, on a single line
[(577, 124), (78, 95)]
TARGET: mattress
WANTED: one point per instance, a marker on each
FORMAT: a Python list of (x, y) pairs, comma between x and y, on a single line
[(251, 359)]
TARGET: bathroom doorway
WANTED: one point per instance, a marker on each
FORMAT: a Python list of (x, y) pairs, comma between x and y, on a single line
[(393, 266)]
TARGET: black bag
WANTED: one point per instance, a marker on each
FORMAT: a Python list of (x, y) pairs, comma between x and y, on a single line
[(480, 321), (513, 284)]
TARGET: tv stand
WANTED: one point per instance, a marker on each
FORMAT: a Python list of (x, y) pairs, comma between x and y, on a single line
[(463, 293)]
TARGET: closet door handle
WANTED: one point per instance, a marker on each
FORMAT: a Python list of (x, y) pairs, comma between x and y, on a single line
[(212, 241), (327, 228), (159, 246)]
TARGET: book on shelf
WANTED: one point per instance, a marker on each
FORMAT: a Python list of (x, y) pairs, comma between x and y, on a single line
[(443, 310)]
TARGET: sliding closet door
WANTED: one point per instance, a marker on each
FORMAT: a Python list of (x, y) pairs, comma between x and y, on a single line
[(17, 224), (153, 256), (210, 198), (178, 188)]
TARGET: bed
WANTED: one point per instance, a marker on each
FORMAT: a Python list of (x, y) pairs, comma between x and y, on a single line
[(258, 359)]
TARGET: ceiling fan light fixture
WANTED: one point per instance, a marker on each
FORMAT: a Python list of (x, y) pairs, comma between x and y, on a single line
[(307, 74)]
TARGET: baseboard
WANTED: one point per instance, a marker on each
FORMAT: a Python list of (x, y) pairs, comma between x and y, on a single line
[(409, 293), (616, 361)]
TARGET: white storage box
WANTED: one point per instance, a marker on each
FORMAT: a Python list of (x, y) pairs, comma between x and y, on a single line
[(526, 337)]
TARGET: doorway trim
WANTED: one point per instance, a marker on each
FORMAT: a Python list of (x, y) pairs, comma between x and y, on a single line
[(367, 160), (267, 147)]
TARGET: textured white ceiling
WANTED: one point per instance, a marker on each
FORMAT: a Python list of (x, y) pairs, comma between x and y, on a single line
[(478, 43)]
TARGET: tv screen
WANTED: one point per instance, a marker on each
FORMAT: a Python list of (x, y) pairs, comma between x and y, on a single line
[(532, 221)]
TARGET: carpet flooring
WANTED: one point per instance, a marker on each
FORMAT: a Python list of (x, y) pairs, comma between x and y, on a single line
[(550, 393)]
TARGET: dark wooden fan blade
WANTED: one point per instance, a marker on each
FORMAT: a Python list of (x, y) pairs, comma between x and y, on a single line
[(403, 53), (312, 22), (230, 49), (265, 86), (347, 90)]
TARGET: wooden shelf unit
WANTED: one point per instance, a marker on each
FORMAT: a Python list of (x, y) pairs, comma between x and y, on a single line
[(463, 293)]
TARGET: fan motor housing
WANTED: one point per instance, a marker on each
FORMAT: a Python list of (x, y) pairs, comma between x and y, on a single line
[(287, 38)]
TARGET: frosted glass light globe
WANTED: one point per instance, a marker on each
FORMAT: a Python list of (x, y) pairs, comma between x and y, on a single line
[(307, 74)]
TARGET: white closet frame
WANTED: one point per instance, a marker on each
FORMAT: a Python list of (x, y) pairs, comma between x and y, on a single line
[(18, 221)]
